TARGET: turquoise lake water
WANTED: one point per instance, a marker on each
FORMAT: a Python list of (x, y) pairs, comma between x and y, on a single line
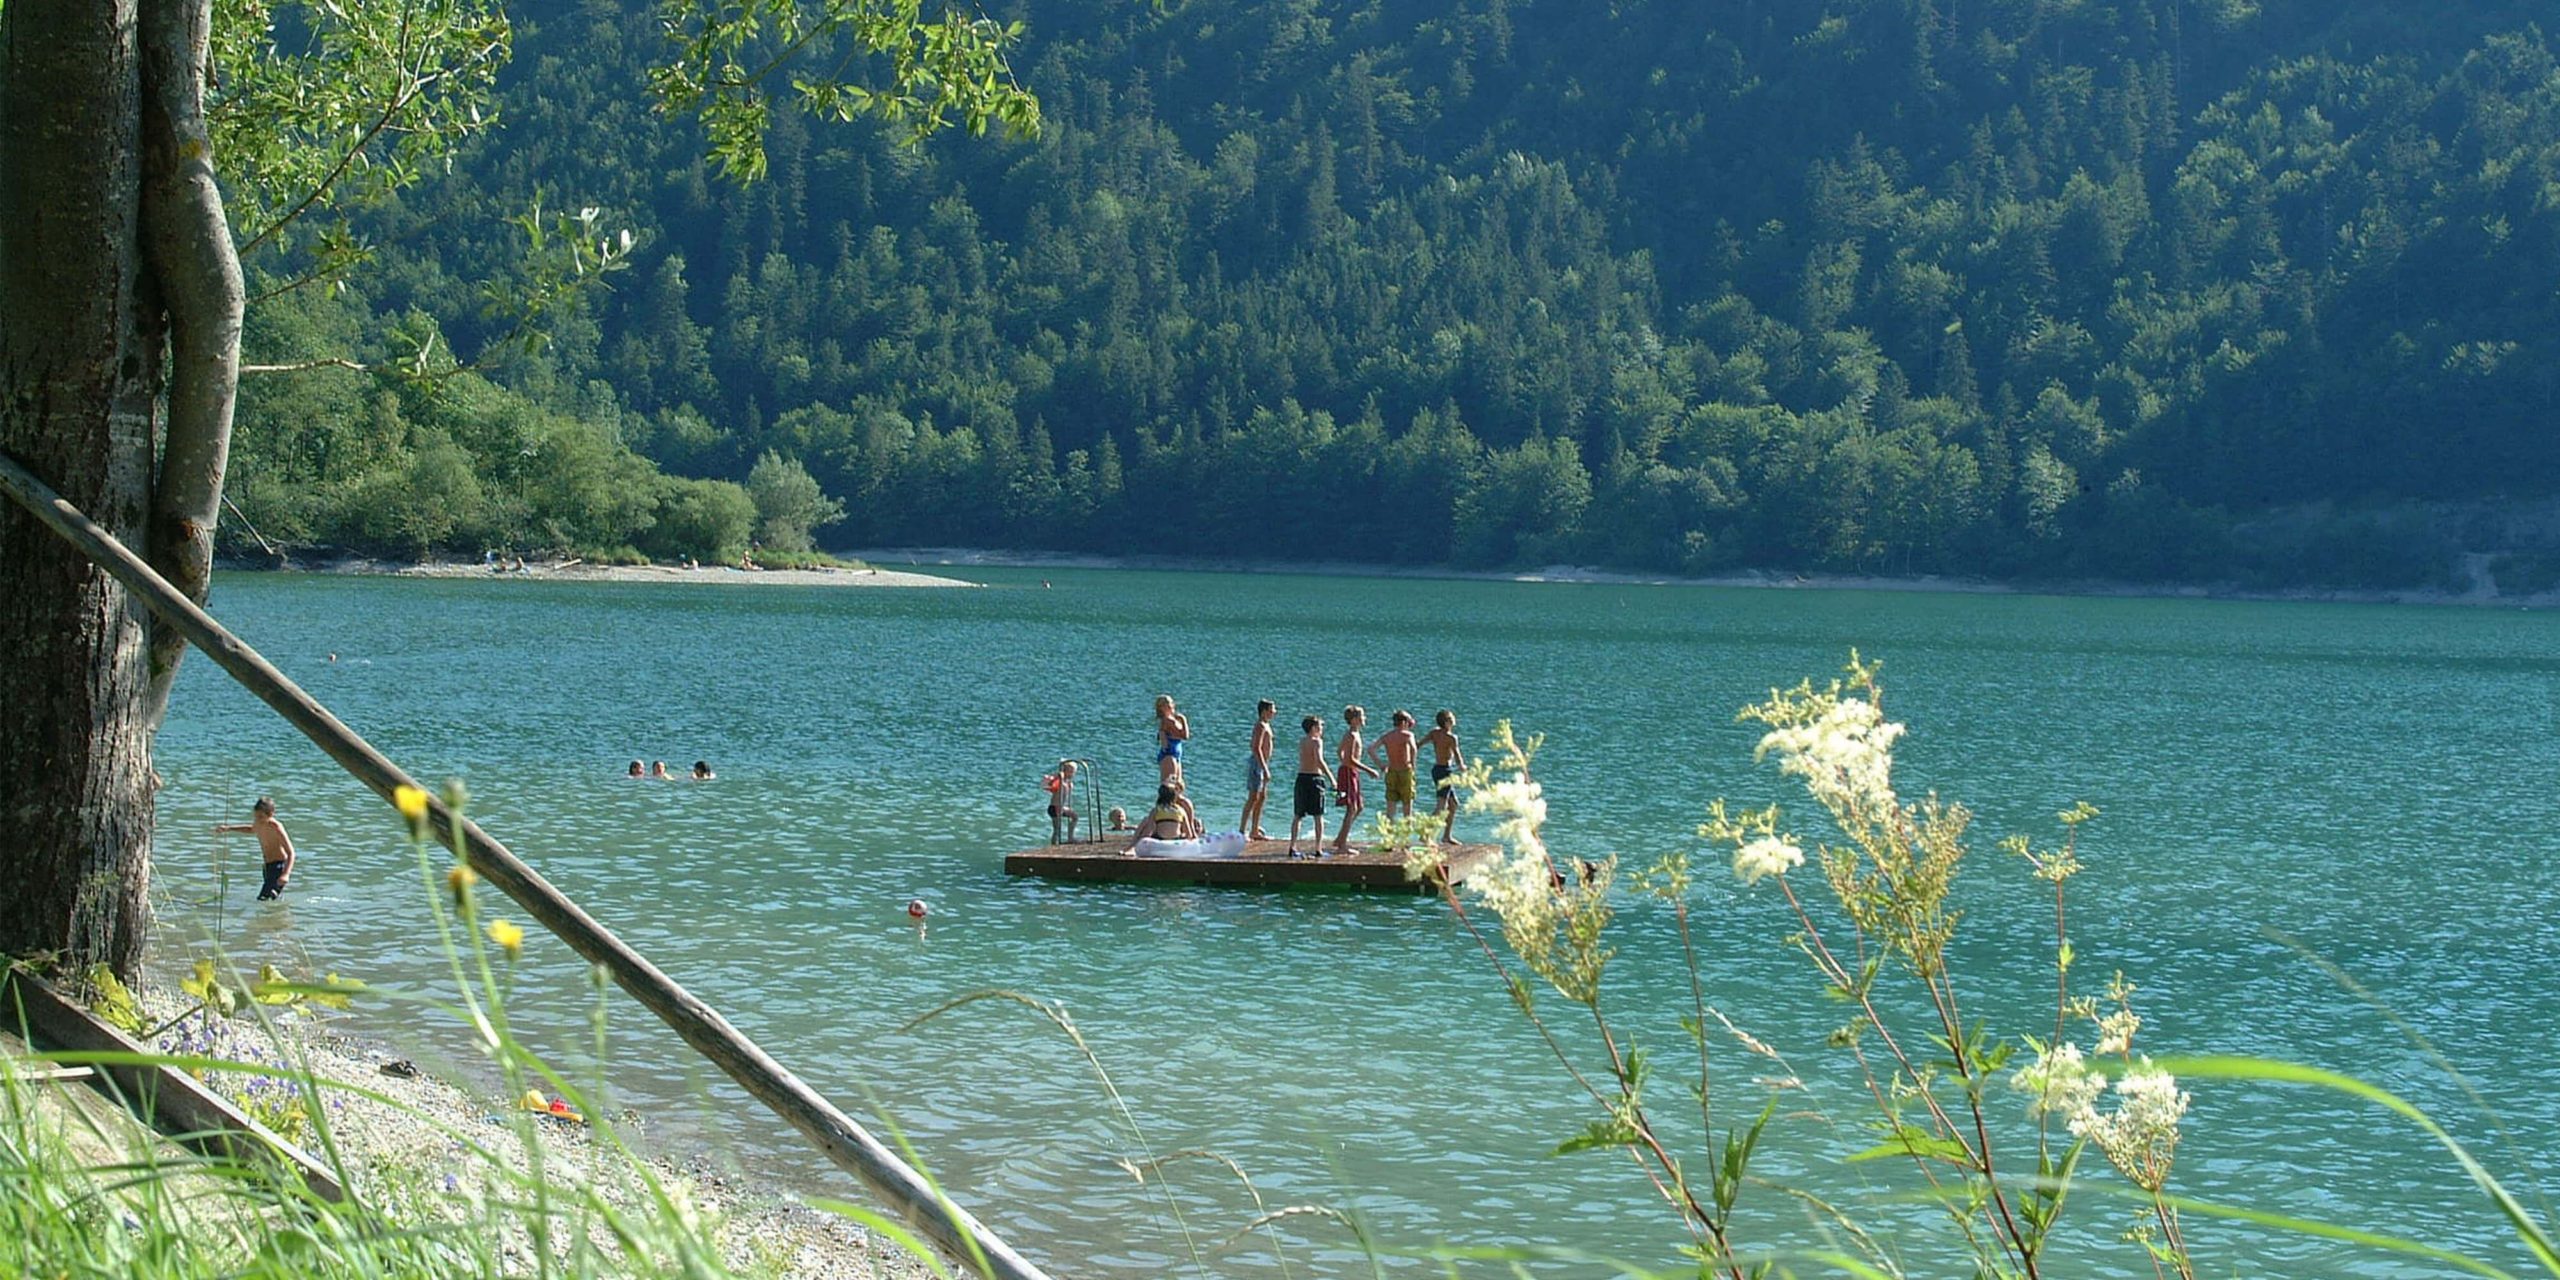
[(2373, 785)]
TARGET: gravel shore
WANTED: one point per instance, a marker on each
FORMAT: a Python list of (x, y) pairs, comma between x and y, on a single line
[(410, 1141)]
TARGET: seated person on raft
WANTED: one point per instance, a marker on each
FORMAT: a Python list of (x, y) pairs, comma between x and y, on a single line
[(1168, 820)]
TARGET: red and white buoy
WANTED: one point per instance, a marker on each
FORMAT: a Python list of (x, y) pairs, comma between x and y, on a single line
[(916, 909)]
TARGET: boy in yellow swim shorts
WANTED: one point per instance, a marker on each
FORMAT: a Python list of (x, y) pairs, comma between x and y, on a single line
[(1400, 748)]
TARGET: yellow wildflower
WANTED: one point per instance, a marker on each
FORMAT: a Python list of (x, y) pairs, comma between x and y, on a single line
[(459, 880), (509, 938), (412, 803)]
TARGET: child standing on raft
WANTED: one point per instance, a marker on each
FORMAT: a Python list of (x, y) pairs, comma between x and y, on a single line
[(1346, 775), (1061, 787), (1308, 799), (1172, 730), (1257, 771), (1446, 758), (1400, 748)]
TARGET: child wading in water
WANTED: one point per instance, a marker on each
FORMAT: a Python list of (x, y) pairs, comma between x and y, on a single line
[(1308, 798), (1257, 771), (272, 842), (1346, 775), (1446, 759), (1400, 749), (1061, 787)]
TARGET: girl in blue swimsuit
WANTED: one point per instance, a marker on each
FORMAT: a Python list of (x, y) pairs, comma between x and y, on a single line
[(1171, 729)]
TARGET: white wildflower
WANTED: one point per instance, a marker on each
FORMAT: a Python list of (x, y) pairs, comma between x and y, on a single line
[(2062, 1083), (1518, 884), (2152, 1103), (1515, 885), (2140, 1137), (1845, 757), (1522, 809), (1764, 857), (2115, 1031)]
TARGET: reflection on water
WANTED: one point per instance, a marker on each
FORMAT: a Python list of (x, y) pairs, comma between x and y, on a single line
[(2358, 777)]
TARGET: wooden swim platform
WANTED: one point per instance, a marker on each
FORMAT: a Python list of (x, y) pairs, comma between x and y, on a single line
[(1264, 863)]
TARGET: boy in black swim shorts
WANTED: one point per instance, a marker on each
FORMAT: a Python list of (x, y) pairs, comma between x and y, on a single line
[(273, 844), (1446, 759), (1308, 801)]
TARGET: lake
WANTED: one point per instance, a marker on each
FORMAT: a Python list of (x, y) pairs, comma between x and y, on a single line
[(2373, 786)]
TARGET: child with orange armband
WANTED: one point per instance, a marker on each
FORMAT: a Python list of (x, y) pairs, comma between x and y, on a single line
[(1061, 787)]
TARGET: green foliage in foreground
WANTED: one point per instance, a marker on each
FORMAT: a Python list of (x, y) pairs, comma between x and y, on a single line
[(2146, 289), (1998, 1114), (81, 1200)]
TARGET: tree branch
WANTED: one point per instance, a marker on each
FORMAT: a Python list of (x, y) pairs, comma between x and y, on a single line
[(187, 242)]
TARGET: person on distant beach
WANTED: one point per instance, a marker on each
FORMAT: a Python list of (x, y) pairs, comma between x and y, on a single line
[(1309, 796), (702, 771), (638, 770), (1169, 820), (1257, 771), (1119, 818), (273, 843), (1400, 749), (1061, 787), (1446, 759), (1172, 730), (658, 770), (1346, 774)]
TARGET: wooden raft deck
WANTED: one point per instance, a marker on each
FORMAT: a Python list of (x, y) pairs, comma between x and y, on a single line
[(1264, 863)]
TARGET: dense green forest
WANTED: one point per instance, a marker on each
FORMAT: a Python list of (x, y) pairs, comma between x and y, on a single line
[(2254, 290)]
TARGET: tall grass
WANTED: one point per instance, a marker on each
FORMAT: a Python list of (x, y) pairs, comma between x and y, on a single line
[(85, 1194)]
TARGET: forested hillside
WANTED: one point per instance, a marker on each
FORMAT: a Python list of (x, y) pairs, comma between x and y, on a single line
[(2156, 289)]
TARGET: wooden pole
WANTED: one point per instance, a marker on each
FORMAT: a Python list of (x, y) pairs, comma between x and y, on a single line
[(166, 1098), (845, 1142)]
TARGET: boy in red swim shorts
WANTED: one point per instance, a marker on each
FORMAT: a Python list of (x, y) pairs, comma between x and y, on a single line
[(1346, 773)]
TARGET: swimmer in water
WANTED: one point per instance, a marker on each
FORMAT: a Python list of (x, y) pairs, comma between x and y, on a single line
[(273, 843)]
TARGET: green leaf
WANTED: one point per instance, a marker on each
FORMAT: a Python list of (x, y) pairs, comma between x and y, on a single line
[(2536, 1238), (1737, 1157), (113, 1004), (1612, 1132), (272, 987), (1910, 1140), (201, 984)]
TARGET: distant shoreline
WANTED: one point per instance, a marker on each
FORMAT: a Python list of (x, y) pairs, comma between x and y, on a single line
[(576, 571), (972, 557)]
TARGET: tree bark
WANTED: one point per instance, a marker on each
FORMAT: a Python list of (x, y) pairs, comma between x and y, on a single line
[(80, 364), (188, 244)]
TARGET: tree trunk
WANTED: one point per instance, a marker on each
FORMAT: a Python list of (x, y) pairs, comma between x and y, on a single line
[(80, 362)]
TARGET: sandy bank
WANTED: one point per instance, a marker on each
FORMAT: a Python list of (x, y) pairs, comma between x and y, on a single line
[(2483, 592), (574, 571), (404, 1144)]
